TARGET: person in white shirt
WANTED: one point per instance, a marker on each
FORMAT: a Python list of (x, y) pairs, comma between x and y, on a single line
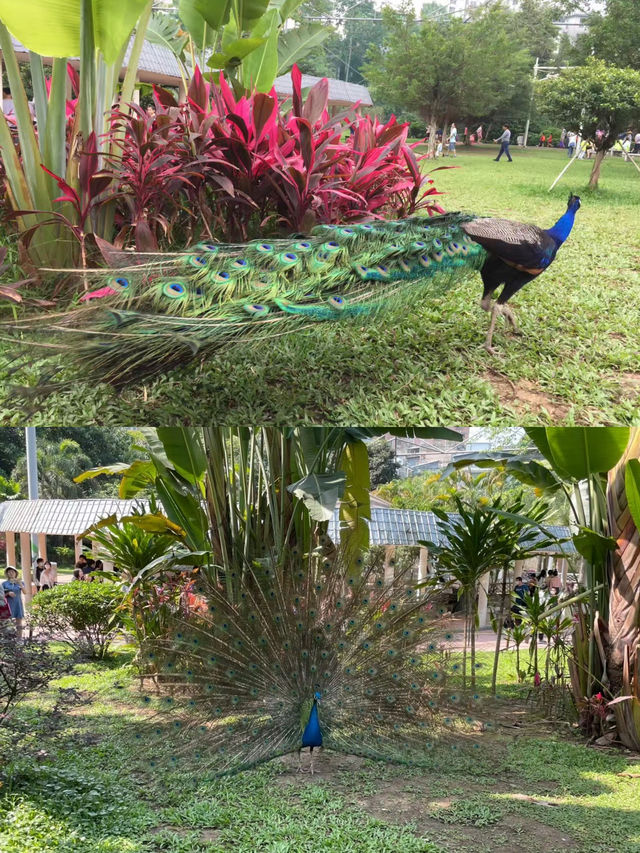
[(636, 143), (453, 136), (7, 106)]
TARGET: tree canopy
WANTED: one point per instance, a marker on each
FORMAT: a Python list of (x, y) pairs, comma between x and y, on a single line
[(382, 462), (98, 446), (444, 70), (613, 35), (594, 97)]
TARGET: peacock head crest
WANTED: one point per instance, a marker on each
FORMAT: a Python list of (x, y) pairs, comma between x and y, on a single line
[(573, 202), (317, 695)]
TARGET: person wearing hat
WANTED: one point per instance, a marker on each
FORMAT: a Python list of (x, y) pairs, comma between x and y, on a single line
[(13, 588)]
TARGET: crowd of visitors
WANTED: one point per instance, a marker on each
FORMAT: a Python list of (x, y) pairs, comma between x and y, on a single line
[(548, 583), (44, 577)]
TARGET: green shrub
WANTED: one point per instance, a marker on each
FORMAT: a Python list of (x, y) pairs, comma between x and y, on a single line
[(82, 614)]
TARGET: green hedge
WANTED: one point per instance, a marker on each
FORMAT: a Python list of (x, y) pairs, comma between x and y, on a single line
[(80, 613)]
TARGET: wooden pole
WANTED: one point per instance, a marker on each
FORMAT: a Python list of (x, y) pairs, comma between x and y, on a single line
[(11, 548), (42, 545), (25, 561)]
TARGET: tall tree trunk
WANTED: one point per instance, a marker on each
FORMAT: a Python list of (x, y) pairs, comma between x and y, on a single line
[(595, 172), (445, 127), (624, 598)]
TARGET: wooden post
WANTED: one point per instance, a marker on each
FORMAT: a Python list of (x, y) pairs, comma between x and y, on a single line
[(11, 548), (78, 547), (25, 561), (42, 545)]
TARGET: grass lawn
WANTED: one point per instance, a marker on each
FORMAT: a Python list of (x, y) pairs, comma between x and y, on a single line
[(530, 787), (424, 364)]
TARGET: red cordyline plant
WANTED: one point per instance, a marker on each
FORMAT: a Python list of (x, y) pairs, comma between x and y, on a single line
[(233, 169)]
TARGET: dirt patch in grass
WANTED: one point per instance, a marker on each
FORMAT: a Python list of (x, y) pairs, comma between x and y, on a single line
[(415, 798), (629, 383), (525, 396)]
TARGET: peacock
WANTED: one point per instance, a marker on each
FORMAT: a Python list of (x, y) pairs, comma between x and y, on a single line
[(159, 310), (273, 659)]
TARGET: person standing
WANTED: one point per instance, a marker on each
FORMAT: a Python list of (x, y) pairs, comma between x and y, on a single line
[(542, 140), (13, 589), (38, 567), (636, 143), (550, 141), (504, 141), (48, 577), (453, 137), (571, 143), (479, 134)]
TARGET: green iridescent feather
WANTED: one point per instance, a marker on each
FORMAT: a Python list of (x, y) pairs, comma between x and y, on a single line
[(165, 309)]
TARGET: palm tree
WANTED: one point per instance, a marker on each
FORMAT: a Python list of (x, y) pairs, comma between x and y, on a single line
[(58, 464), (469, 547)]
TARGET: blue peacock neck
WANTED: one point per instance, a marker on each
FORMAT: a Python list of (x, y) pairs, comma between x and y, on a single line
[(563, 226)]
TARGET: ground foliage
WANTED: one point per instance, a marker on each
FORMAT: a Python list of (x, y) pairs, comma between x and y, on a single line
[(76, 786)]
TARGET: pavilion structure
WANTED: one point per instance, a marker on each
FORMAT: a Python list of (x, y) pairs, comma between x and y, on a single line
[(388, 527), (53, 517)]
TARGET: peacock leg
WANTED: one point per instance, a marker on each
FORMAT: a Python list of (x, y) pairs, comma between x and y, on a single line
[(510, 317), (497, 309), (311, 762), (300, 768), (485, 302)]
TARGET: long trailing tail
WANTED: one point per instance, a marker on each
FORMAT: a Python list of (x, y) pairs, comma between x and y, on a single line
[(165, 309)]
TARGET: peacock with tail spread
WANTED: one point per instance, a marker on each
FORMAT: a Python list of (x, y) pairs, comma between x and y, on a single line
[(271, 661), (161, 310)]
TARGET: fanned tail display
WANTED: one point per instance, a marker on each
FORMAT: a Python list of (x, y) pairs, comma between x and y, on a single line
[(164, 309), (307, 655)]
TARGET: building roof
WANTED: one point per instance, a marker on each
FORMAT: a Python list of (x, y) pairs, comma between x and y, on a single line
[(409, 526), (72, 517), (159, 65), (61, 517), (340, 92)]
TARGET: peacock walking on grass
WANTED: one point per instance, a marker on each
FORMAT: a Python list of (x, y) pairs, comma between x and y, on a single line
[(276, 660), (164, 309)]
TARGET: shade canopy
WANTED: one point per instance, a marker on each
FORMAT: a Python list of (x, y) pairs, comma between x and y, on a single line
[(409, 526), (72, 517), (62, 517)]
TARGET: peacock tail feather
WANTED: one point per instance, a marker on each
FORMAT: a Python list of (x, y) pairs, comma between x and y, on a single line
[(172, 307), (237, 676)]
